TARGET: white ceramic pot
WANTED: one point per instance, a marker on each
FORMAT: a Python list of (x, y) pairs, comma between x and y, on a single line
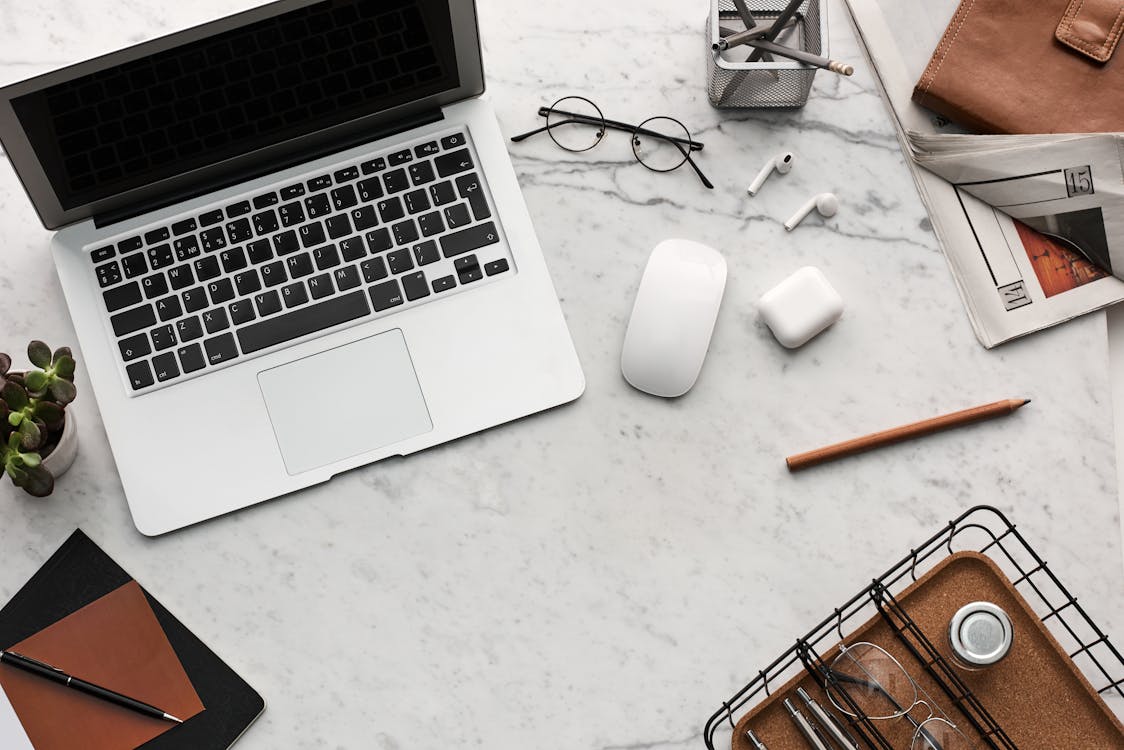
[(64, 453)]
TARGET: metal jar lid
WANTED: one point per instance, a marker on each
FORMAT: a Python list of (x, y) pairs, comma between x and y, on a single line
[(980, 633)]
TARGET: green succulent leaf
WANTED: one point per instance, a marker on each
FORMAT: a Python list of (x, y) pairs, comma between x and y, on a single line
[(62, 351), (5, 364), (36, 381), (39, 354), (14, 394), (16, 471), (63, 391), (39, 483), (31, 460), (32, 435), (15, 418), (14, 443), (64, 364), (50, 413)]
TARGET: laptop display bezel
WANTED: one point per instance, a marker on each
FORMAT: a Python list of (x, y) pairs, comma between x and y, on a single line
[(53, 215)]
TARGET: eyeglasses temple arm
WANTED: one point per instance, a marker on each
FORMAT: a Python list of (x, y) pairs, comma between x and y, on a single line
[(687, 155), (528, 134)]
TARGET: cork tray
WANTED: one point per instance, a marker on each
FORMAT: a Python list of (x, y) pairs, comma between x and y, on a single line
[(1037, 694)]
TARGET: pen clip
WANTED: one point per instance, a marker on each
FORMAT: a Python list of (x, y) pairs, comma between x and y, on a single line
[(25, 657)]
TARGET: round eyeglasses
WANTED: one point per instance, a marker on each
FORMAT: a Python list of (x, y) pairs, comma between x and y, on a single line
[(661, 143)]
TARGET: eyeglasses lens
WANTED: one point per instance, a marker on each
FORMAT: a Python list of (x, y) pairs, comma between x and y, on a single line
[(575, 123)]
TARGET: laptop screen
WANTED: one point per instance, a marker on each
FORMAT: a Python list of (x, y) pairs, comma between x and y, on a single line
[(100, 134)]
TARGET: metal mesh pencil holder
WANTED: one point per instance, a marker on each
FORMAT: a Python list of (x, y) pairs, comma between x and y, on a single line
[(733, 83)]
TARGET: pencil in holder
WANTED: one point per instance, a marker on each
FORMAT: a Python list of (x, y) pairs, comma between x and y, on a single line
[(734, 83)]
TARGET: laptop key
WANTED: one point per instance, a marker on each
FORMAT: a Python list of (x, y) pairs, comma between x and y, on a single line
[(346, 278), (396, 181), (444, 284), (293, 191), (326, 256), (390, 210), (294, 294), (422, 173), (454, 162), (399, 157), (405, 232), (191, 358), (452, 141), (239, 231), (134, 346), (323, 182), (442, 193), (265, 200), (469, 188), (379, 240), (130, 245), (346, 174), (221, 348), (212, 239), (154, 286), (238, 209), (211, 217), (134, 265), (317, 205), (373, 270), (267, 303), (426, 253), (286, 242), (399, 261), (273, 273), (207, 268), (415, 286), (291, 213), (156, 235), (299, 265), (259, 251), (369, 189), (165, 366), (163, 337), (426, 149), (123, 296), (431, 224), (265, 222), (344, 198), (320, 316), (338, 226), (215, 320), (496, 266), (457, 216), (189, 329), (233, 259), (183, 227), (140, 375), (194, 299), (221, 291), (320, 286), (169, 308), (364, 218), (467, 240), (352, 248), (416, 201), (181, 277), (241, 312), (374, 165), (247, 282), (108, 274), (186, 248), (468, 269), (385, 295), (103, 253)]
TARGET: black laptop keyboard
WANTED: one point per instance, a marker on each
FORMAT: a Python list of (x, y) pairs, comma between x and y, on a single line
[(362, 240)]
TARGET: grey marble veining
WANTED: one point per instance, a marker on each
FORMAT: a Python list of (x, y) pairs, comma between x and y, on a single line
[(604, 574)]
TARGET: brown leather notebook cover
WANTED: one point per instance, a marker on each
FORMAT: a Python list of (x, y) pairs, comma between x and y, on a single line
[(117, 643), (1029, 66)]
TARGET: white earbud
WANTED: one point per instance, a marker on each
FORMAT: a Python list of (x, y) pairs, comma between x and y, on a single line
[(826, 203), (781, 162)]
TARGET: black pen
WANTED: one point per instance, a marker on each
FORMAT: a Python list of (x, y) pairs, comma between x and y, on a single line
[(27, 664)]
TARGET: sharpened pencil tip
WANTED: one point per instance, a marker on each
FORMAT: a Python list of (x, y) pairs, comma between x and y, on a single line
[(1026, 401), (169, 717)]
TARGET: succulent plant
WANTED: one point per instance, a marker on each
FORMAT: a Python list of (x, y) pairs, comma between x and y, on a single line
[(32, 414)]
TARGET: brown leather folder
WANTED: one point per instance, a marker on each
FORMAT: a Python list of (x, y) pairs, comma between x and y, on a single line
[(1029, 66), (114, 642)]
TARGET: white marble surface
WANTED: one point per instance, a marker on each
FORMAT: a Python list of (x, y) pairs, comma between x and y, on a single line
[(603, 575)]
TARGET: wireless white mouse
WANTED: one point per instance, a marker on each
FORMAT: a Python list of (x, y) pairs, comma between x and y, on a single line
[(673, 316)]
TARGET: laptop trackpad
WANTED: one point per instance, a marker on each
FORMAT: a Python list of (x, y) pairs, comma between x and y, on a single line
[(345, 401)]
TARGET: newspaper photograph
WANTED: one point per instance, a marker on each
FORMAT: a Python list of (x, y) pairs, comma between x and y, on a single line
[(1031, 225)]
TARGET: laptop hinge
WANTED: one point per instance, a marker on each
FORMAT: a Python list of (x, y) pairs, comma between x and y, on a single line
[(336, 145)]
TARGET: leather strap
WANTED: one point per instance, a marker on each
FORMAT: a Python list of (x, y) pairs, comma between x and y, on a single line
[(1092, 27)]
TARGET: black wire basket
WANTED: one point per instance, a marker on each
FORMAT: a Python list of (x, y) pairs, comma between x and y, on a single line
[(981, 529)]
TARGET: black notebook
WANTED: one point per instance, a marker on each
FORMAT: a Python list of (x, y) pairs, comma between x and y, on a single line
[(80, 574)]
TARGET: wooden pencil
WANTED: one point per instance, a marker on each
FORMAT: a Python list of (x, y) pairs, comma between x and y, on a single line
[(905, 432)]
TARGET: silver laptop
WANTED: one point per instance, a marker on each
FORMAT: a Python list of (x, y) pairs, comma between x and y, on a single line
[(292, 243)]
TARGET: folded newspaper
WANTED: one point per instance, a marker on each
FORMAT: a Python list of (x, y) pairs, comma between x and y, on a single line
[(1032, 225)]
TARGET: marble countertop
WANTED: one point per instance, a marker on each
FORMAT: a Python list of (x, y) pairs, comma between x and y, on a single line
[(605, 574)]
